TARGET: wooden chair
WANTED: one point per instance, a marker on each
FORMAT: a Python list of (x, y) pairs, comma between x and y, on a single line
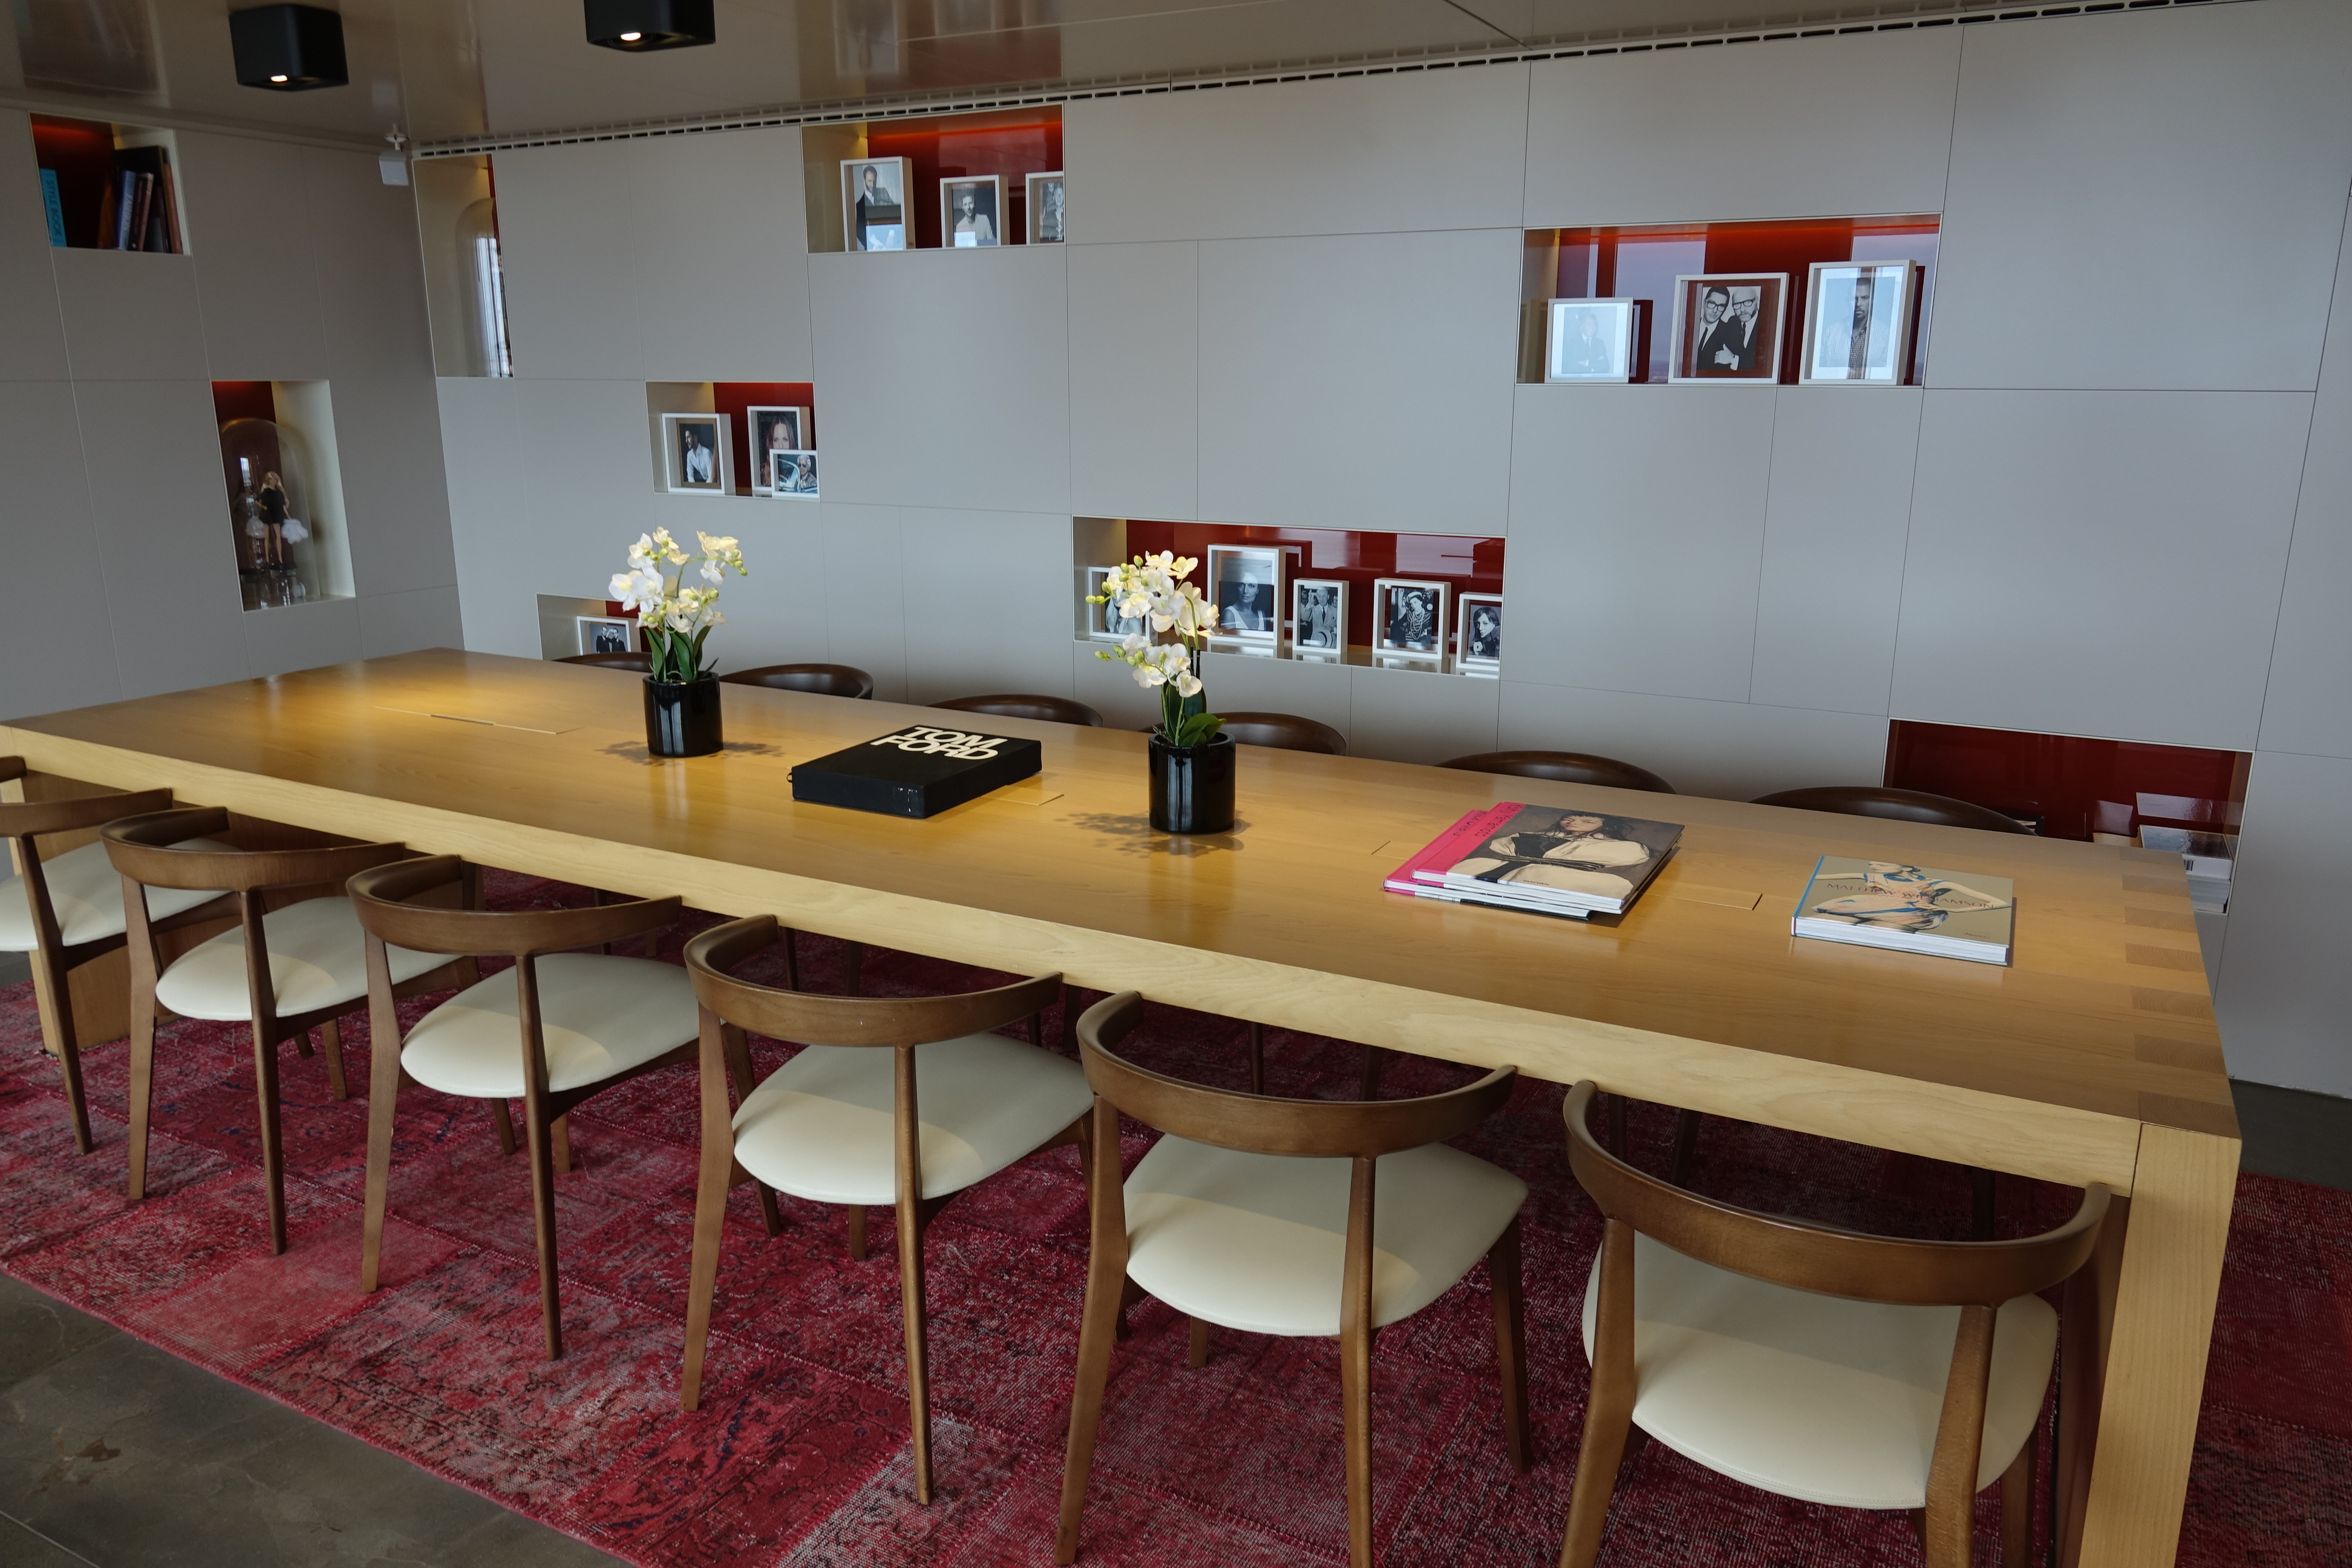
[(1016, 705), (553, 1031), (823, 679), (67, 911), (1284, 731), (1564, 767), (286, 970), (1858, 1370), (643, 663), (907, 1102), (1272, 1216), (1894, 804)]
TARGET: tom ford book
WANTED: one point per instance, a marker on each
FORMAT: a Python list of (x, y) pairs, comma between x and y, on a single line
[(1910, 909), (920, 771)]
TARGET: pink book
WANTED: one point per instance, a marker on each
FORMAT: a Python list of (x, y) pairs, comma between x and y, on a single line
[(1431, 859)]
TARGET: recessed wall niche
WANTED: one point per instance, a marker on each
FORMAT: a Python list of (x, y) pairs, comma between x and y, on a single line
[(285, 491), (1012, 143), (743, 421), (110, 188), (465, 280)]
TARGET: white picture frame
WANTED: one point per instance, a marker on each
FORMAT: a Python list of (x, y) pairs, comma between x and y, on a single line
[(1318, 616), (871, 227), (1877, 297), (791, 476), (1245, 588), (1479, 644), (1714, 349), (604, 634), (981, 228), (763, 424), (1103, 621), (684, 473), (1048, 208), (1590, 340), (1402, 626)]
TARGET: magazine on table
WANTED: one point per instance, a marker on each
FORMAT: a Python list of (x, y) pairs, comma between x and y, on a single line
[(1552, 860), (1909, 908)]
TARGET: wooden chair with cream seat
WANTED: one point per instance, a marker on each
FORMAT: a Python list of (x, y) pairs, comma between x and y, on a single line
[(643, 663), (67, 909), (286, 970), (1283, 732), (556, 1028), (1563, 767), (1021, 705), (1856, 1371), (893, 1096), (821, 679), (1895, 806), (1304, 1218)]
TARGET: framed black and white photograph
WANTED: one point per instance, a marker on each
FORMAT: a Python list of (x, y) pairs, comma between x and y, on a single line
[(697, 457), (971, 212), (1319, 616), (1409, 616), (873, 192), (1590, 340), (606, 634), (1104, 620), (1246, 586), (1727, 327), (774, 430), (1858, 323), (1478, 635), (791, 476), (1045, 203)]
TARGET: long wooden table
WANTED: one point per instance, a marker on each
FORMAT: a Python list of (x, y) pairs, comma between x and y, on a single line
[(2093, 1058)]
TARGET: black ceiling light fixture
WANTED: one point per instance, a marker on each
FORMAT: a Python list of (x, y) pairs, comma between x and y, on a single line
[(287, 48), (638, 26)]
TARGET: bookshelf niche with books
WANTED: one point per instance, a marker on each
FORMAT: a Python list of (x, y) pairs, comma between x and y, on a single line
[(106, 186)]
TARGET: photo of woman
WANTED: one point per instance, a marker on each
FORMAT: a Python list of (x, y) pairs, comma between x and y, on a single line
[(1409, 615)]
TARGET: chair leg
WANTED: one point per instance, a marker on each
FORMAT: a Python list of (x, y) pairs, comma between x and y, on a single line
[(1098, 1335), (540, 1132), (1981, 1203), (910, 1301), (559, 1137), (54, 996), (505, 1120), (1685, 1147), (384, 1101), (736, 1045), (1511, 1344), (857, 1233), (1198, 1356), (1617, 1103), (273, 1151), (712, 1185), (1257, 1058), (142, 1088), (1356, 1426), (791, 958), (1608, 1415), (2017, 1504), (856, 967), (330, 1041), (1130, 1294), (1371, 1087)]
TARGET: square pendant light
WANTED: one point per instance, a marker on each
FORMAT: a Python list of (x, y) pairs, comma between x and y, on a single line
[(287, 48), (641, 25)]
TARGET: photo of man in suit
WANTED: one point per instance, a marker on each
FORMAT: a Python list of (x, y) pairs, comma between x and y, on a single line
[(1587, 350), (880, 218), (1729, 346), (695, 443)]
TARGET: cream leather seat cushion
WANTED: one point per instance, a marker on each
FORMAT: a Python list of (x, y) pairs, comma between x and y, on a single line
[(1814, 1396), (86, 891), (1258, 1242), (599, 1016), (318, 958), (820, 1127)]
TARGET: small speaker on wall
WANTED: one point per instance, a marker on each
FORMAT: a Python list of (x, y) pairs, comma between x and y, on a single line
[(287, 48), (638, 26)]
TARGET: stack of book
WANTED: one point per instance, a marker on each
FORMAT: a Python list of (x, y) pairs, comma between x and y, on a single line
[(1545, 859), (1909, 908), (141, 207)]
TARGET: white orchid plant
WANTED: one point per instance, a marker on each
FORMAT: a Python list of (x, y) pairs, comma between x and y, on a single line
[(1152, 589), (675, 619)]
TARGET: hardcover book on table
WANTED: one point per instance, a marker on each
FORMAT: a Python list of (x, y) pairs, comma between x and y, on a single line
[(918, 771), (1909, 908), (1560, 858)]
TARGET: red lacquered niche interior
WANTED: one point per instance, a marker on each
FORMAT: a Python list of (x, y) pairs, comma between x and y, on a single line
[(731, 398), (1015, 150), (2075, 785), (1468, 564)]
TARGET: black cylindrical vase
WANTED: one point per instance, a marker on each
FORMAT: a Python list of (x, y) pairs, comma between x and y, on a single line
[(1192, 786), (683, 720)]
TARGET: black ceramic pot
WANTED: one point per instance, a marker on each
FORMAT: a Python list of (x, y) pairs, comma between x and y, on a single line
[(683, 720), (1192, 786)]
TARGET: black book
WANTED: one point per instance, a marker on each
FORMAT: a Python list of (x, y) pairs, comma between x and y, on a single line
[(920, 771)]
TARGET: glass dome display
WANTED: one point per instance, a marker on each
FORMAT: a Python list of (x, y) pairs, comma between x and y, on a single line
[(269, 501)]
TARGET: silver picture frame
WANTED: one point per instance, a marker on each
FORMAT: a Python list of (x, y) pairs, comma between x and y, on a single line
[(697, 454), (1048, 208), (1318, 616), (1478, 631), (1590, 340), (1858, 318), (1103, 622), (1727, 329), (1409, 616), (1245, 587), (791, 476), (763, 424), (606, 634), (982, 226), (880, 216)]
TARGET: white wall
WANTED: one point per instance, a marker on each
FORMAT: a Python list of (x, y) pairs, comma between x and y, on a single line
[(2121, 506)]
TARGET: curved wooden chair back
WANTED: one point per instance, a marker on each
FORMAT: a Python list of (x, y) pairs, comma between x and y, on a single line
[(143, 849), (1563, 767), (1283, 732), (25, 819), (383, 896), (1895, 805), (822, 679), (904, 1021), (643, 663), (1022, 705)]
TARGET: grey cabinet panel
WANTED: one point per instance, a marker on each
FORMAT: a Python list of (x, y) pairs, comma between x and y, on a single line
[(301, 636), (32, 334), (130, 316), (255, 258), (2285, 990), (725, 254), (403, 623), (57, 654), (493, 532), (1414, 716), (1241, 683), (1731, 751), (987, 602), (1135, 380), (865, 595), (573, 264)]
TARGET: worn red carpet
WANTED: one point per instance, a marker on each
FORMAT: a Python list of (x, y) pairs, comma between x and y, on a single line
[(798, 1455)]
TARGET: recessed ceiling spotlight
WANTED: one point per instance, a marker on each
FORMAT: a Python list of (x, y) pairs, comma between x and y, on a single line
[(639, 25), (287, 48)]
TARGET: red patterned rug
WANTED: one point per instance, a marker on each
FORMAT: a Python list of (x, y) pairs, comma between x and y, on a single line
[(798, 1455)]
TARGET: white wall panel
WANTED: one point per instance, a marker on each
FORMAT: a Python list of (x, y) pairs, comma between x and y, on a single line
[(1359, 382), (1239, 683), (724, 248), (53, 644), (2098, 563), (370, 288), (1135, 380), (987, 597), (2285, 989), (1794, 128), (573, 265), (494, 527), (2114, 176), (1835, 532), (944, 377), (301, 636), (865, 594), (403, 623), (1731, 751), (258, 278), (130, 316), (1365, 156), (776, 614), (1637, 529), (32, 335), (1409, 716)]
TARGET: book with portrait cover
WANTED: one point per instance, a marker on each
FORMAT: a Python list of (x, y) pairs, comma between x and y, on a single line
[(920, 771), (1909, 908), (1558, 857)]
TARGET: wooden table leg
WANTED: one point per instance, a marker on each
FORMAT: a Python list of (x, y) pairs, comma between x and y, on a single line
[(2182, 1190)]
